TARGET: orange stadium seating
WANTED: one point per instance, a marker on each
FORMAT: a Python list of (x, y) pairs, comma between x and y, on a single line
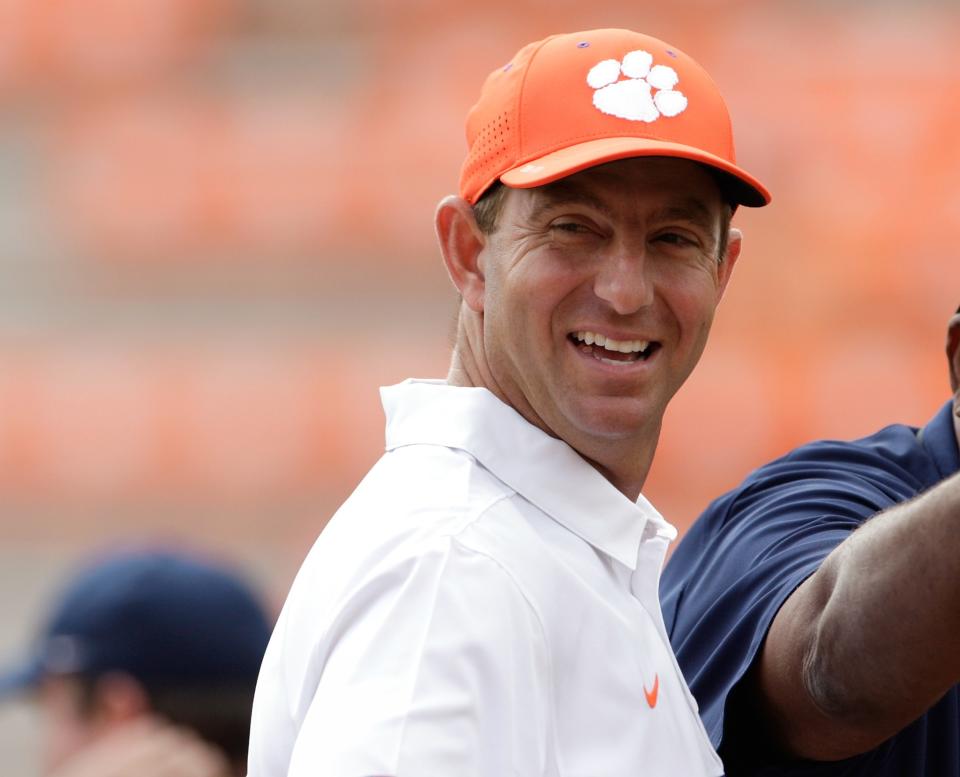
[(179, 142)]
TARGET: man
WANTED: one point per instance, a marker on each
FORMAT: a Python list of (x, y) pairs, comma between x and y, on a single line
[(815, 610), (485, 603), (147, 666)]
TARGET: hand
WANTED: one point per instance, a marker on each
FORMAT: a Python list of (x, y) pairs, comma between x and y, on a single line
[(147, 748)]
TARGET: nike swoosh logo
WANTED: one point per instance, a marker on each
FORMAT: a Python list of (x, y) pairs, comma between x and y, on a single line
[(653, 692)]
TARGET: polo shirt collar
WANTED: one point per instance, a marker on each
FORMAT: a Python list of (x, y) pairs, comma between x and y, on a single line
[(940, 441), (542, 469)]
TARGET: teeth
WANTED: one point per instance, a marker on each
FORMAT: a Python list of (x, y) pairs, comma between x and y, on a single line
[(623, 346)]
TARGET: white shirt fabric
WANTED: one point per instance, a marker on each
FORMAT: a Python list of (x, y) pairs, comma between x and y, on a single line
[(483, 605)]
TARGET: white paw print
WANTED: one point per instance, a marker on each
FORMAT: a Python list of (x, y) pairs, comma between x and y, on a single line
[(634, 98)]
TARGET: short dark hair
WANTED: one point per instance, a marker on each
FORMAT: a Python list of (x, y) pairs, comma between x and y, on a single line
[(488, 207)]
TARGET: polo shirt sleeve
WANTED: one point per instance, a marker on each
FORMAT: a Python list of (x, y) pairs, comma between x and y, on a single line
[(751, 549), (437, 668)]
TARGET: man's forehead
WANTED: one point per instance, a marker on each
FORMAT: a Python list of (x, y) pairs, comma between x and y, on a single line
[(686, 189)]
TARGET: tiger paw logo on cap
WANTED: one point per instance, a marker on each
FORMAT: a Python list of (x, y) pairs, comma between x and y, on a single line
[(634, 98), (580, 99)]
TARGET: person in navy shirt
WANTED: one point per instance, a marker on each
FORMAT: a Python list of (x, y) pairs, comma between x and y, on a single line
[(815, 609)]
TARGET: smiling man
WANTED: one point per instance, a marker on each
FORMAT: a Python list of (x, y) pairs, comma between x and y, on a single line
[(485, 603)]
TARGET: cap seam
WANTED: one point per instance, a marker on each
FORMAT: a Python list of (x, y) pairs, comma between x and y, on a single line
[(729, 117), (523, 86)]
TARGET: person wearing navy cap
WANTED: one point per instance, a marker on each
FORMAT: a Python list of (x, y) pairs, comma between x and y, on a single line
[(815, 609), (147, 666)]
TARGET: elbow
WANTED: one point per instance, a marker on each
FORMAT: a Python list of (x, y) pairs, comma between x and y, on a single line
[(855, 717), (827, 688)]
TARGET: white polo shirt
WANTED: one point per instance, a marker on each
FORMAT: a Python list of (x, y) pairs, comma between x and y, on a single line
[(483, 605)]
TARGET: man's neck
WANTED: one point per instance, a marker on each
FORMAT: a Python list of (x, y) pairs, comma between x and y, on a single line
[(465, 371)]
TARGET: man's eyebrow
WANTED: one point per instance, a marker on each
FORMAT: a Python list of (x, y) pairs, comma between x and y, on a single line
[(564, 192), (691, 210)]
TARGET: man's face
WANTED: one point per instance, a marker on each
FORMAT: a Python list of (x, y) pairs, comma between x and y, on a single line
[(599, 294)]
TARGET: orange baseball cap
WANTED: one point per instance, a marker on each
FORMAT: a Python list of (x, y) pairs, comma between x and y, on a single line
[(573, 101)]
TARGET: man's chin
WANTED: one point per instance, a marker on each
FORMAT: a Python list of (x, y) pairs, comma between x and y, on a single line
[(616, 419)]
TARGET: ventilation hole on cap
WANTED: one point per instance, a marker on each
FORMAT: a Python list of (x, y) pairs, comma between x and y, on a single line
[(490, 149), (583, 44)]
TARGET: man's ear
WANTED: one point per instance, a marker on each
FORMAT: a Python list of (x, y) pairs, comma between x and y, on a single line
[(734, 246), (119, 698), (461, 243), (953, 351)]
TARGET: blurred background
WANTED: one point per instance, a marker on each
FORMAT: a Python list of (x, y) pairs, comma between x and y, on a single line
[(216, 242)]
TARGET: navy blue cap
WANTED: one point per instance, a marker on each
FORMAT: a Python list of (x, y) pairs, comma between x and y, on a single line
[(166, 618)]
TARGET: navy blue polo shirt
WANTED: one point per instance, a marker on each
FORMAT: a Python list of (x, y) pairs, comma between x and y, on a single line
[(750, 550)]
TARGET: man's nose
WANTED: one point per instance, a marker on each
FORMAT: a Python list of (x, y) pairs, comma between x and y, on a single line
[(624, 280)]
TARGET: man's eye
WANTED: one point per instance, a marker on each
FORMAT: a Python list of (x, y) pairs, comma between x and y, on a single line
[(571, 226), (675, 239)]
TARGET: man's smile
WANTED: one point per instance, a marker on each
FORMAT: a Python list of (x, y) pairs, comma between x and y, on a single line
[(610, 351)]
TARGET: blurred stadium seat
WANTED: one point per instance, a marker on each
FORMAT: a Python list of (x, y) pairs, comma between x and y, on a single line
[(197, 172), (76, 44)]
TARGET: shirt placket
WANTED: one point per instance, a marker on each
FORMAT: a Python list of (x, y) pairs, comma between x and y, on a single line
[(645, 585)]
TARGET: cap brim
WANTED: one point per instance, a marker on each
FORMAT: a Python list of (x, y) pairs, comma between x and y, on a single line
[(741, 187)]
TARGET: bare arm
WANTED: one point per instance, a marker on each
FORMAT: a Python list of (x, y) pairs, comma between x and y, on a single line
[(872, 639)]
